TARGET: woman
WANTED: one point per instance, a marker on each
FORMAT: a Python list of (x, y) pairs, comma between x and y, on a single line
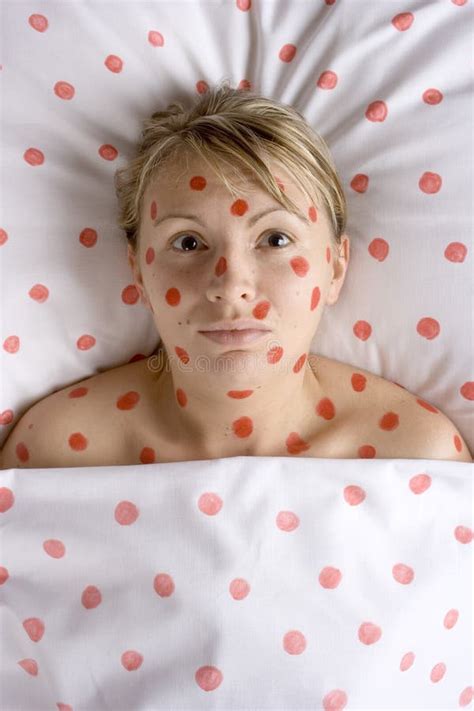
[(235, 219)]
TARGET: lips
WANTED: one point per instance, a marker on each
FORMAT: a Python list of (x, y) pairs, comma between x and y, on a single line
[(235, 337)]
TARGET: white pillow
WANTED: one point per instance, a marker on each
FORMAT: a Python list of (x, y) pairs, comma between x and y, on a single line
[(390, 92)]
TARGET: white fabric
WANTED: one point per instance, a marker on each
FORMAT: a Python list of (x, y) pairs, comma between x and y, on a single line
[(273, 575), (68, 306)]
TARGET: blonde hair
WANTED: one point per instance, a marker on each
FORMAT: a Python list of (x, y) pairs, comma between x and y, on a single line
[(238, 129)]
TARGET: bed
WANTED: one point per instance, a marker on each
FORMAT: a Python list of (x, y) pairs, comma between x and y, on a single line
[(242, 582)]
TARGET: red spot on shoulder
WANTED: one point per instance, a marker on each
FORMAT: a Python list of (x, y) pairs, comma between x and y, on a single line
[(181, 397), (325, 408), (198, 182), (128, 400), (77, 441), (300, 266), (147, 455), (427, 406), (457, 442), (358, 382), (274, 354), (239, 207), (366, 451), (22, 452), (78, 392), (295, 444), (243, 427), (389, 421), (182, 354), (239, 394), (173, 297), (299, 363)]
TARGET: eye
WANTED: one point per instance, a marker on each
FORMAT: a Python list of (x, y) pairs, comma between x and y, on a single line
[(189, 240), (278, 234)]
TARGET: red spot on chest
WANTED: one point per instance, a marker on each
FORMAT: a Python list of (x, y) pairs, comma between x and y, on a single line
[(243, 427), (128, 401)]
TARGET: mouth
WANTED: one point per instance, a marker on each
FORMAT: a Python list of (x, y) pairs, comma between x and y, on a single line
[(247, 335)]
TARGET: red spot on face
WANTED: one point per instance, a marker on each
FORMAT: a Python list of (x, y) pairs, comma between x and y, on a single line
[(243, 427), (274, 354), (221, 266), (147, 455), (197, 182), (300, 266), (328, 254), (325, 408), (313, 214), (182, 354), (366, 451), (78, 392), (128, 401), (153, 210), (22, 452), (389, 421), (149, 255), (77, 441), (181, 397), (299, 363), (358, 382), (315, 297), (239, 208), (261, 309), (239, 394), (427, 406), (173, 297), (294, 443)]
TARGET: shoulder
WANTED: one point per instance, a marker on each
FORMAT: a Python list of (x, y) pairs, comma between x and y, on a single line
[(75, 426)]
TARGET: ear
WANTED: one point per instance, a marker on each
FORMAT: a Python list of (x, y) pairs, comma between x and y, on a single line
[(340, 264), (132, 258)]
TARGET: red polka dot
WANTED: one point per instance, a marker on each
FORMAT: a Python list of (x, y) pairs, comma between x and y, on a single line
[(403, 21), (182, 354), (239, 208), (4, 575), (463, 534), (64, 90), (33, 156), (274, 354), (131, 660), (149, 255), (91, 597), (108, 152), (239, 394), (389, 421), (287, 53), (221, 267), (173, 297), (181, 397), (403, 574), (313, 214), (114, 64), (300, 266), (30, 666), (239, 589), (11, 344), (419, 483), (450, 619), (430, 183), (128, 400), (295, 444), (130, 295), (456, 252), (407, 661), (360, 183), (299, 363), (358, 382), (155, 38), (163, 585), (208, 678), (7, 499), (126, 513), (457, 443), (39, 293), (354, 495), (294, 642), (3, 237), (327, 80), (376, 111), (153, 210), (54, 548), (88, 237), (429, 328), (77, 441), (315, 297), (261, 309), (369, 633), (466, 694), (197, 182), (467, 390), (427, 406), (85, 342), (366, 451), (243, 427), (34, 628), (147, 455), (287, 521), (362, 329), (244, 5), (78, 392), (38, 22), (329, 578), (22, 452), (6, 417), (210, 503), (438, 672), (202, 86), (325, 408), (244, 84), (335, 700), (432, 97), (378, 249)]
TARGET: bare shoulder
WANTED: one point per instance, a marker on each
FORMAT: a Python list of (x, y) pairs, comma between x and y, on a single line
[(390, 419), (80, 425)]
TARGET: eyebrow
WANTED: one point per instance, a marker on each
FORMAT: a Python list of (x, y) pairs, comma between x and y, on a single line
[(251, 221)]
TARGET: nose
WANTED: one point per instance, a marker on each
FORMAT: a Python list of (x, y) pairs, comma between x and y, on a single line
[(233, 284)]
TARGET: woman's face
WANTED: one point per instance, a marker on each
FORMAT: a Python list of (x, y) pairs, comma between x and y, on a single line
[(230, 261)]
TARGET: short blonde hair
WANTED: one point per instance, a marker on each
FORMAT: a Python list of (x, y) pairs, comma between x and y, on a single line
[(238, 129)]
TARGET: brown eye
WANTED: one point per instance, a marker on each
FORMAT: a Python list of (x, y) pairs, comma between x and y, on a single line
[(276, 237), (187, 244)]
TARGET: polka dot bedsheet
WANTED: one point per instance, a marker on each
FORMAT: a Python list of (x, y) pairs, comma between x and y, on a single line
[(387, 85), (237, 584)]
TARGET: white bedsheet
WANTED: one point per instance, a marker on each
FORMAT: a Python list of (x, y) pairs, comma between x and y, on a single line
[(238, 583)]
